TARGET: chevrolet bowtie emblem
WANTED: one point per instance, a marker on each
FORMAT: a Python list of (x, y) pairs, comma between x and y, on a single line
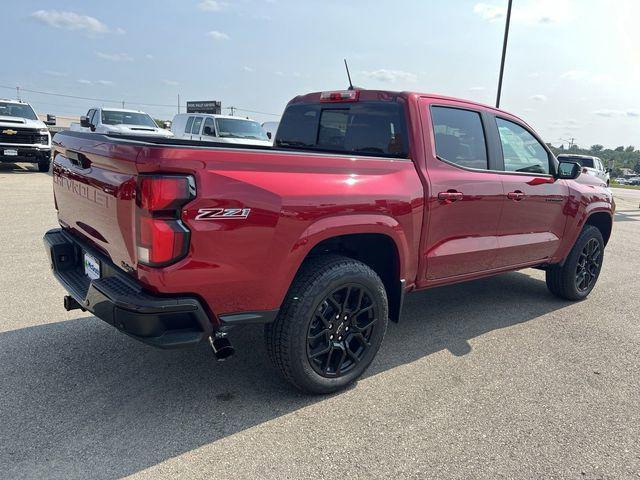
[(9, 132)]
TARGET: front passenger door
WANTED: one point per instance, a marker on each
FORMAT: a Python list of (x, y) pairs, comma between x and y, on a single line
[(532, 220)]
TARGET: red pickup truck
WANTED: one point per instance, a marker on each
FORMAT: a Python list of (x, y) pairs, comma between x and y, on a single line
[(365, 196)]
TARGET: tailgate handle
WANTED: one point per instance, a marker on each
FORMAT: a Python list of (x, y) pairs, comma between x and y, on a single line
[(78, 159)]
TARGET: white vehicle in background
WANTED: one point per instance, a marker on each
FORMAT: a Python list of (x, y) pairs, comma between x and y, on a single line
[(207, 127), (119, 121), (590, 165), (23, 138), (271, 129)]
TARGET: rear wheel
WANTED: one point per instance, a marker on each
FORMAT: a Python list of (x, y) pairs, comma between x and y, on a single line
[(331, 324), (576, 278)]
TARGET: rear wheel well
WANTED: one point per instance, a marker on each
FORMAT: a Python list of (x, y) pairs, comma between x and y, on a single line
[(602, 221), (379, 252)]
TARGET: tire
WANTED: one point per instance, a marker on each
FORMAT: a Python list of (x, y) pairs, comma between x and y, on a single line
[(319, 341), (44, 166), (564, 282)]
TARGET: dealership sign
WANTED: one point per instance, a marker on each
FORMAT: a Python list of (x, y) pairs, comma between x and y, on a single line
[(212, 106)]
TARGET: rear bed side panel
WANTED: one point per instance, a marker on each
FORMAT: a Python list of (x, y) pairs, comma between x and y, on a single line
[(240, 265)]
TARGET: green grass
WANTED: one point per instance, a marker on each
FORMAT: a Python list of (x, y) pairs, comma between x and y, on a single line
[(630, 187)]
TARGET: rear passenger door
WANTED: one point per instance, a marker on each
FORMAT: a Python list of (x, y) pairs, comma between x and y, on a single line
[(532, 220), (464, 196)]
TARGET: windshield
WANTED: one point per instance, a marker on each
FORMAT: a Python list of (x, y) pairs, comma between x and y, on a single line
[(114, 117), (19, 110), (239, 128)]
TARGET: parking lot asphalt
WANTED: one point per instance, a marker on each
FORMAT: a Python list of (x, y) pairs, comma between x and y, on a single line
[(491, 379)]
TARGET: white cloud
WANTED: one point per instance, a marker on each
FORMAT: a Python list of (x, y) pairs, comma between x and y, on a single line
[(574, 74), (538, 98), (148, 56), (115, 57), (606, 112), (538, 12), (279, 73), (216, 35), (248, 69), (104, 82), (390, 76), (212, 5), (84, 81), (610, 112), (73, 21), (171, 83), (54, 73)]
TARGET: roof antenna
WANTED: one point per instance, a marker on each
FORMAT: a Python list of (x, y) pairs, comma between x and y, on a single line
[(348, 74)]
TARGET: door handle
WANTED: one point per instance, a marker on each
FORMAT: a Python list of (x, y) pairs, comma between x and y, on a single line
[(450, 196), (517, 195)]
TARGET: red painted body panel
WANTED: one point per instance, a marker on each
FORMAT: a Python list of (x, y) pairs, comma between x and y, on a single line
[(298, 199)]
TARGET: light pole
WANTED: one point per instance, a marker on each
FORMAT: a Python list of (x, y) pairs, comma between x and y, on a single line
[(504, 52)]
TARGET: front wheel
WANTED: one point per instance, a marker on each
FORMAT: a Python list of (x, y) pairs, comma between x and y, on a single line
[(43, 166), (576, 278), (331, 324)]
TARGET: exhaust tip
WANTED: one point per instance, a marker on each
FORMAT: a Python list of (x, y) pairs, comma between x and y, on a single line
[(222, 348)]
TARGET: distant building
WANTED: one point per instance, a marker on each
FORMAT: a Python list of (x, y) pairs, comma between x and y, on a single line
[(627, 172)]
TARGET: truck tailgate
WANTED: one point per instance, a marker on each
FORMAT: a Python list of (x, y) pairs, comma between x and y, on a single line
[(94, 184)]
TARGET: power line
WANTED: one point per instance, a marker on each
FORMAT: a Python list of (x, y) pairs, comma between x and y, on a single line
[(105, 100)]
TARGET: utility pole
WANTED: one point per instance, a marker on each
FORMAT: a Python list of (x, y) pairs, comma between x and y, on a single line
[(233, 109), (18, 92), (504, 53), (123, 104), (178, 103)]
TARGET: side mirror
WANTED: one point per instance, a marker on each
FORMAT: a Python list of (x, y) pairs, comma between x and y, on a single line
[(84, 122), (607, 170), (51, 120), (167, 125), (208, 131), (269, 135), (568, 170)]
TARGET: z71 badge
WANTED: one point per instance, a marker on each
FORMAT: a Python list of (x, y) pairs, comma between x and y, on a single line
[(222, 213)]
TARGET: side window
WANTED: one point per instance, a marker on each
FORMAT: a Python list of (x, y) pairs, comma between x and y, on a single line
[(187, 129), (459, 137), (208, 122), (521, 151), (197, 123), (94, 118)]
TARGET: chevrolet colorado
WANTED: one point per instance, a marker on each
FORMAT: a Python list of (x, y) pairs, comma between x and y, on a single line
[(364, 196)]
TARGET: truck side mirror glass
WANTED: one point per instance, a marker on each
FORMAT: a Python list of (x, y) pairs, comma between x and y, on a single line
[(269, 135), (84, 122), (569, 170), (51, 119)]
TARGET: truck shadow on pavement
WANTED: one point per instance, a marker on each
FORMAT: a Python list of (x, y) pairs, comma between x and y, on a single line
[(80, 400)]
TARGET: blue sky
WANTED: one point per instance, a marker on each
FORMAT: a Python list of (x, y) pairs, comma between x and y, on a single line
[(573, 66)]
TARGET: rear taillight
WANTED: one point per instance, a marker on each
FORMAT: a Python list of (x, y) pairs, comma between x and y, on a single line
[(162, 238), (340, 96)]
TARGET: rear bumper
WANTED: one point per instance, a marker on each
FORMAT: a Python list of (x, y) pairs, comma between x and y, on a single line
[(164, 322), (25, 154)]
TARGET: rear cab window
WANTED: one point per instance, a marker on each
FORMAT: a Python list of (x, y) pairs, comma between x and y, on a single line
[(373, 128)]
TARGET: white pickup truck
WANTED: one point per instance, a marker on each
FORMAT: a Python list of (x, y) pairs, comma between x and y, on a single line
[(119, 121), (23, 138)]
